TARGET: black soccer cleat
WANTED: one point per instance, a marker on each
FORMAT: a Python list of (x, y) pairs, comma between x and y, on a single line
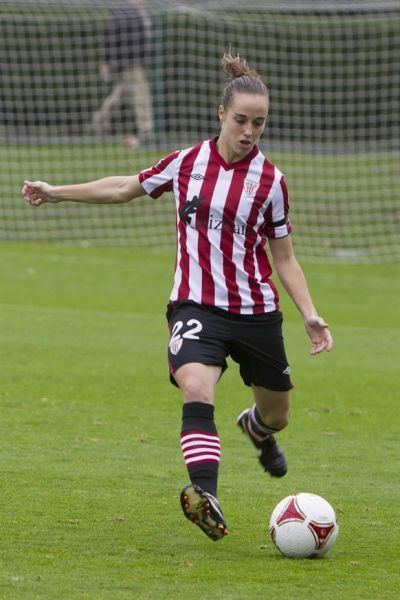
[(269, 452), (204, 511), (272, 458)]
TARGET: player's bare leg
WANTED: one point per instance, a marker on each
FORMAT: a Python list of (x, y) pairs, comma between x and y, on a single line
[(269, 415), (272, 406), (197, 382)]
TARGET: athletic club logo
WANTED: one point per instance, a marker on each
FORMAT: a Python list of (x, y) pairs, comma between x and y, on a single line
[(175, 345), (250, 186)]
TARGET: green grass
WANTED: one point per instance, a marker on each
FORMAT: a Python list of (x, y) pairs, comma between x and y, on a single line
[(91, 467)]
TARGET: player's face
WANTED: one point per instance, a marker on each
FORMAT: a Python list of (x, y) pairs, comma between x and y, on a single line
[(242, 124)]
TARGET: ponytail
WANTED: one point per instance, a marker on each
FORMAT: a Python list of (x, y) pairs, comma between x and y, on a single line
[(242, 79)]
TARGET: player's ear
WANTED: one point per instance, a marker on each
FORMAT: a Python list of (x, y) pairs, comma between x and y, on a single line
[(221, 112)]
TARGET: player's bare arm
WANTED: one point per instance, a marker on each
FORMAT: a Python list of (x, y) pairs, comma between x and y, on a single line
[(293, 280), (109, 190)]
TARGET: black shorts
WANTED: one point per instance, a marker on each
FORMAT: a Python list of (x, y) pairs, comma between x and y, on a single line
[(208, 335)]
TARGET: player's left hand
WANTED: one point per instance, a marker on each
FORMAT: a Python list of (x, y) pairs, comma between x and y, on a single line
[(319, 335)]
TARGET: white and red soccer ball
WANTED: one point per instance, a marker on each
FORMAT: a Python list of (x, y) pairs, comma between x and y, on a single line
[(303, 526)]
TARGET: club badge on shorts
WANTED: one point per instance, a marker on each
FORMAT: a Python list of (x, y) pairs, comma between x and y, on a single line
[(175, 345)]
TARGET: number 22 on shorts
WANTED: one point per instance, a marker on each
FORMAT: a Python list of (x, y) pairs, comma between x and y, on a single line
[(176, 341)]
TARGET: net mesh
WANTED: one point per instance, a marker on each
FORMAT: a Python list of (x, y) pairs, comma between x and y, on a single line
[(333, 73)]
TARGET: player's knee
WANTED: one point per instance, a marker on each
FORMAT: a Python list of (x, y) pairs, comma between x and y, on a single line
[(194, 390)]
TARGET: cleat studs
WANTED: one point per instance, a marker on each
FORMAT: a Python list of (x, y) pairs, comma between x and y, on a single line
[(186, 498), (187, 506)]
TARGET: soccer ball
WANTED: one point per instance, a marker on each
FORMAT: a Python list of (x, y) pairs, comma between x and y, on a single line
[(303, 526)]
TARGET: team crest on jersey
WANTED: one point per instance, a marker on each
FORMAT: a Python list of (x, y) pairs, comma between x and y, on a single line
[(175, 345), (250, 186)]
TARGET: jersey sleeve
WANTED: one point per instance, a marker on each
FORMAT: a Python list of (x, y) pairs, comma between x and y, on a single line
[(159, 179), (277, 222)]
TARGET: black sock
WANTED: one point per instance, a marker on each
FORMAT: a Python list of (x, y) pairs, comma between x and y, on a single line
[(200, 445), (256, 428)]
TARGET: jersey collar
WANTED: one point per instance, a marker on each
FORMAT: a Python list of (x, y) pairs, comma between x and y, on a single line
[(233, 165)]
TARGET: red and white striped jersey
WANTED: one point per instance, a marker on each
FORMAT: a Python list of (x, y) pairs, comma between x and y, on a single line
[(224, 214)]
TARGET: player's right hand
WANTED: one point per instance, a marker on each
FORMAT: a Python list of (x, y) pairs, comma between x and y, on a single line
[(38, 192)]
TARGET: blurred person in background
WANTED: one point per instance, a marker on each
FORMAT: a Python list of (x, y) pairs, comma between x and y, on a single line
[(125, 59)]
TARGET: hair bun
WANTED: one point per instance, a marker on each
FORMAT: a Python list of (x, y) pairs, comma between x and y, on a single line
[(235, 66), (242, 80)]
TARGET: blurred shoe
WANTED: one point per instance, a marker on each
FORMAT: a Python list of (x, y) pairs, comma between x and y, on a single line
[(131, 141), (269, 452), (272, 458)]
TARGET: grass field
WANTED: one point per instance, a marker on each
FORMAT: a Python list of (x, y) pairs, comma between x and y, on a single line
[(91, 467)]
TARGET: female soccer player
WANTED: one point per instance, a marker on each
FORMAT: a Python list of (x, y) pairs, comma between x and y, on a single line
[(229, 200)]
